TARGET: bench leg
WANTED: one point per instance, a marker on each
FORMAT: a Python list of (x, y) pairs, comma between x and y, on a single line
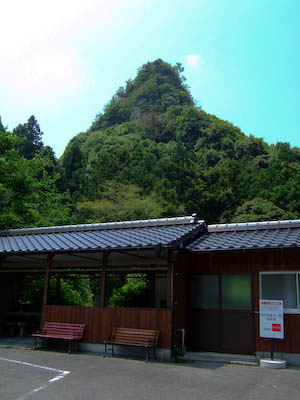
[(69, 349), (147, 354), (105, 350)]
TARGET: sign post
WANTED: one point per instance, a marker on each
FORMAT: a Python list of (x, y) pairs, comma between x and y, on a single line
[(271, 321)]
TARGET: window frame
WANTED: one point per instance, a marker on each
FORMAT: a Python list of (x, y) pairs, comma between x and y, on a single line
[(297, 280)]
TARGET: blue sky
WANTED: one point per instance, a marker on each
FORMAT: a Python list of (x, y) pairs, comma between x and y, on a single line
[(63, 60)]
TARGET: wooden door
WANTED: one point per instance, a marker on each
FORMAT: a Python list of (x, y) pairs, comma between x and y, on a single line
[(221, 313)]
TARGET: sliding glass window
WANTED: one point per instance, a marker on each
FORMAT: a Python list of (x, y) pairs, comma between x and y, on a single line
[(281, 286)]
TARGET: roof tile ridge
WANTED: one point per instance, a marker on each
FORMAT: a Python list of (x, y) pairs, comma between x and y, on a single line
[(193, 219), (250, 226)]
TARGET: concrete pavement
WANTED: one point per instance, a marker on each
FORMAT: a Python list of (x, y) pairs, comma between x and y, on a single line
[(48, 375)]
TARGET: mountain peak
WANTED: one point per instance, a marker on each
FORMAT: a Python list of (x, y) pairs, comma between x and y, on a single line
[(157, 86)]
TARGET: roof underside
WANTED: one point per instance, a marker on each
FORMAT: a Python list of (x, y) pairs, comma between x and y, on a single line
[(127, 235)]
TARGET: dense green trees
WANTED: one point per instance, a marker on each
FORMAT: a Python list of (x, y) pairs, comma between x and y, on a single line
[(158, 153), (133, 292), (156, 87), (31, 136), (28, 191), (74, 290), (151, 153)]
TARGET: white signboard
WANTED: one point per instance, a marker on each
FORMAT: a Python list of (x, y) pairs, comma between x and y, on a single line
[(271, 319)]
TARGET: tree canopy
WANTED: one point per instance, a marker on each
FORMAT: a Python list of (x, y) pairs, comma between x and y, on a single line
[(28, 187), (152, 143), (150, 153), (31, 136)]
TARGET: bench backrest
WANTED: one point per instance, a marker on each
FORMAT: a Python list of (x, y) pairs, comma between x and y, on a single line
[(62, 328), (142, 337)]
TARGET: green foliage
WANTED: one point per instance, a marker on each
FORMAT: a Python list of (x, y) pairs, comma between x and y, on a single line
[(153, 154), (74, 290), (28, 192), (157, 86), (134, 293), (259, 209), (31, 136), (118, 202), (71, 168)]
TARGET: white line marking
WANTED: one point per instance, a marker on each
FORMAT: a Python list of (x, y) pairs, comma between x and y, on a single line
[(61, 375)]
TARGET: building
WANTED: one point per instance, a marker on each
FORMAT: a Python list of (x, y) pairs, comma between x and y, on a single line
[(204, 279)]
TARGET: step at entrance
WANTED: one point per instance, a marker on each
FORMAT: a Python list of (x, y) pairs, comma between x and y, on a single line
[(240, 359)]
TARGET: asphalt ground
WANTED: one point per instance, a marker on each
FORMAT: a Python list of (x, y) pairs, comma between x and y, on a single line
[(47, 375)]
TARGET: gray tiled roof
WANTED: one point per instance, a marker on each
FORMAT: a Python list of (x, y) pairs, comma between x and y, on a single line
[(255, 235), (167, 232)]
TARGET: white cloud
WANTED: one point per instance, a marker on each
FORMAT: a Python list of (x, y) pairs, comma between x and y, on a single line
[(193, 61), (42, 42)]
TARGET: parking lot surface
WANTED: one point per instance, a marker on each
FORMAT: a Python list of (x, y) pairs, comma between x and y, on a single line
[(48, 375)]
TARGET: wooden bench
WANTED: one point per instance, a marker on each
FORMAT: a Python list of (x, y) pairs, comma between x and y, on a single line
[(147, 338), (61, 331)]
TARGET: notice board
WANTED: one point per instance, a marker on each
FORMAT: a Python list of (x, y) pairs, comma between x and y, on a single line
[(271, 319)]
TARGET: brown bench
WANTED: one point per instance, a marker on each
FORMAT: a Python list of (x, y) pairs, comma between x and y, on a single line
[(61, 331), (147, 338)]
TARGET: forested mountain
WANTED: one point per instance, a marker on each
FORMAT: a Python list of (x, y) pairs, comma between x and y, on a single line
[(153, 153)]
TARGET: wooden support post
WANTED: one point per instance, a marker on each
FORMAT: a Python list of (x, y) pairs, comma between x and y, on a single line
[(151, 277), (57, 293), (46, 287), (170, 286), (103, 278)]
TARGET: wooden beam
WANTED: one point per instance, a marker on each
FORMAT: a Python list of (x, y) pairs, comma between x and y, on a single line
[(143, 269), (22, 271), (83, 264), (126, 253), (83, 257)]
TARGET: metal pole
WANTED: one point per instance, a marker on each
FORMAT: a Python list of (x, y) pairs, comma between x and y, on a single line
[(272, 349)]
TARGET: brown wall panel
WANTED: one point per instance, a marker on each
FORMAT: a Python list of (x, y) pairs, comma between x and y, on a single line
[(100, 321), (242, 261)]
